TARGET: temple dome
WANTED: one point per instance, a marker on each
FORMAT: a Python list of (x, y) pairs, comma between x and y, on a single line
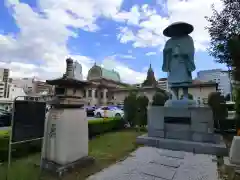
[(97, 72)]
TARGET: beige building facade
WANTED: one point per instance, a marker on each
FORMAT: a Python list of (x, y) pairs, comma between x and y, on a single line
[(106, 88), (200, 90)]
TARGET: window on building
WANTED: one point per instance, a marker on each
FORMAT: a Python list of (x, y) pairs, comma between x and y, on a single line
[(59, 91), (74, 91), (112, 97), (96, 94), (84, 93), (101, 94), (205, 100), (89, 93)]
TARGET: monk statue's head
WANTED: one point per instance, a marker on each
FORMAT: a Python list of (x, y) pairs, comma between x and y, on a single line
[(178, 29)]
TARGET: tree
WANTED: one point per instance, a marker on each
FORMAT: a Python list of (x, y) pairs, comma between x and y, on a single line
[(224, 30), (237, 107), (227, 97), (218, 105), (141, 116), (190, 96), (130, 107), (159, 99)]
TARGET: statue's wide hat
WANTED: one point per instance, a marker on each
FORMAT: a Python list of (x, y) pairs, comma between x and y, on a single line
[(178, 29)]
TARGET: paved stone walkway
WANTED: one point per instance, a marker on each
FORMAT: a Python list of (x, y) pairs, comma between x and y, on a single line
[(148, 163)]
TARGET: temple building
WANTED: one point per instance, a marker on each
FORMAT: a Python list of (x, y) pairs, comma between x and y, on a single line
[(107, 87), (104, 87), (150, 80)]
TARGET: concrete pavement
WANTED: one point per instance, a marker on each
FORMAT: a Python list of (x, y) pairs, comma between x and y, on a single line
[(148, 163)]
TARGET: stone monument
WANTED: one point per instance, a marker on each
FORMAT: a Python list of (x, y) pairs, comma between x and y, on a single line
[(66, 128), (178, 61), (181, 124)]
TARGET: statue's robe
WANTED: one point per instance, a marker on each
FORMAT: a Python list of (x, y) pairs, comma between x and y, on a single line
[(178, 59)]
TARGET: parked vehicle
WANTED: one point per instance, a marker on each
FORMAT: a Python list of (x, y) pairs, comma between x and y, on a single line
[(90, 110), (5, 118), (109, 111), (231, 109)]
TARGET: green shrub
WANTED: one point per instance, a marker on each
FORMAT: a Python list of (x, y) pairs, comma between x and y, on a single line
[(95, 127), (130, 108), (102, 125), (159, 99), (218, 105), (237, 107), (227, 97), (141, 115)]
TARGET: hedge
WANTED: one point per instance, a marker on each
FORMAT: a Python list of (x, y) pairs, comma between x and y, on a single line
[(100, 126), (95, 127)]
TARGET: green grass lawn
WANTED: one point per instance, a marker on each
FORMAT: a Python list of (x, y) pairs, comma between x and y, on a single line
[(106, 149), (4, 132)]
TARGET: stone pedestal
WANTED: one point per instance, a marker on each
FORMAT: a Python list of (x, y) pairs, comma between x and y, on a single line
[(182, 128), (66, 132), (66, 139)]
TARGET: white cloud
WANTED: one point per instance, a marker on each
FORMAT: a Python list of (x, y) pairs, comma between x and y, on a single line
[(127, 74), (126, 56), (150, 30), (40, 48), (43, 36), (132, 17), (151, 53)]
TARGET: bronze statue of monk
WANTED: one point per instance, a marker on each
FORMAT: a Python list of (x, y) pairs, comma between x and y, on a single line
[(178, 56)]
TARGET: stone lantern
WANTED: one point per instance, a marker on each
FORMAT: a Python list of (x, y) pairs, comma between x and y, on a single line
[(66, 127)]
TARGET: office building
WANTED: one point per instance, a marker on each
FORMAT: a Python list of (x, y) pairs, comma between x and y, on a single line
[(219, 76), (163, 83), (4, 85), (25, 83)]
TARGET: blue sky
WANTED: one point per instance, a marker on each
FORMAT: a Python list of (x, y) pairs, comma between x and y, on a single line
[(37, 36)]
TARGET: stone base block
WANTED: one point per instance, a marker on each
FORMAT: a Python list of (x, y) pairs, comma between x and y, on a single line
[(183, 145), (184, 103), (155, 133), (60, 170), (182, 135), (206, 137)]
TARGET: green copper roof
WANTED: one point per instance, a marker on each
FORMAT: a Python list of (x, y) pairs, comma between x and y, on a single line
[(99, 72), (110, 74)]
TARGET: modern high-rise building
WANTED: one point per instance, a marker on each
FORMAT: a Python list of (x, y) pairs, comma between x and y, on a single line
[(219, 76), (27, 84), (163, 84), (4, 85), (32, 86), (4, 74)]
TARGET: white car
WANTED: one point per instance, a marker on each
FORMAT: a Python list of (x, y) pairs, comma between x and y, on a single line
[(108, 112)]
